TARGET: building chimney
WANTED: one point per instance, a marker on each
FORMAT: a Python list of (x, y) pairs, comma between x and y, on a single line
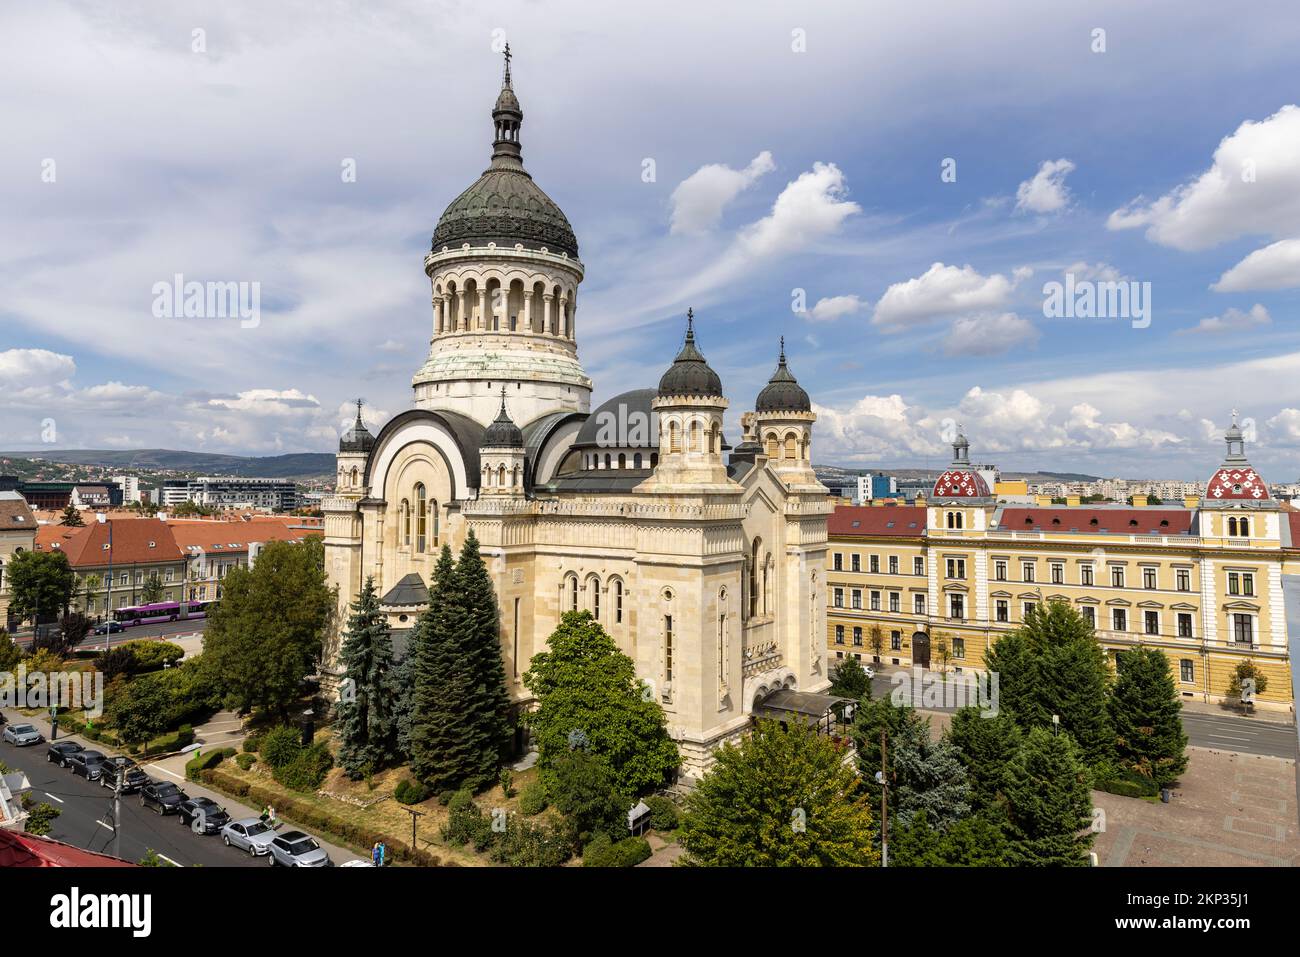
[(101, 517)]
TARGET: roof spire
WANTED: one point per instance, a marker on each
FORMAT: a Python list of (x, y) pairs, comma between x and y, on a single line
[(506, 81), (507, 117), (690, 324)]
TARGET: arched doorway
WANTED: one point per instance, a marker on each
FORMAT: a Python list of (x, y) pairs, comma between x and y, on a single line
[(920, 649)]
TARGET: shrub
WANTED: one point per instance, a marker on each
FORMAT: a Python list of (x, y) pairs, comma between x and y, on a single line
[(245, 761), (1127, 783), (462, 799), (466, 823), (151, 655), (409, 791), (252, 743), (307, 771), (229, 752), (525, 844), (204, 762), (506, 780), (664, 814), (444, 797), (532, 800), (603, 852), (281, 746)]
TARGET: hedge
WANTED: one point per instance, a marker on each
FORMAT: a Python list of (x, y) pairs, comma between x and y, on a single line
[(602, 852), (204, 762), (309, 815), (532, 799), (1128, 784)]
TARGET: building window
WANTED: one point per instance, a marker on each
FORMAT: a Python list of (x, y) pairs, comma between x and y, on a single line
[(594, 585), (421, 518), (857, 637), (954, 519), (1029, 608), (1187, 670), (959, 647), (1085, 574), (1184, 625), (573, 593), (855, 562), (1089, 615), (1027, 571), (893, 564), (1117, 577), (918, 566), (1000, 571), (895, 641), (1148, 578), (875, 601), (1243, 629), (957, 607), (1058, 574), (857, 598), (1003, 610), (618, 601), (839, 598), (874, 564), (406, 523), (1151, 622), (838, 564), (1183, 580), (1119, 619), (918, 604), (956, 568), (895, 601), (839, 634), (668, 647)]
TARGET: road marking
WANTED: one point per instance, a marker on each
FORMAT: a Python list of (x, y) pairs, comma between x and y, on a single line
[(159, 767), (169, 860), (53, 798), (107, 827), (1228, 737)]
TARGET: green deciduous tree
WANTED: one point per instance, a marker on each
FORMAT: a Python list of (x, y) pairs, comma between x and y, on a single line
[(367, 725), (1247, 669), (151, 592), (851, 680), (781, 797), (1146, 712), (264, 637), (141, 709), (10, 653), (1049, 806), (586, 791), (1053, 665), (584, 685), (40, 584)]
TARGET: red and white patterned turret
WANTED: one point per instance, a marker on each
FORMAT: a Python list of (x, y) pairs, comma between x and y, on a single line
[(1236, 480), (960, 480)]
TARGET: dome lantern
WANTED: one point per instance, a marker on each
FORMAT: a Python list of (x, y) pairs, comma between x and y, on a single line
[(782, 392), (690, 374)]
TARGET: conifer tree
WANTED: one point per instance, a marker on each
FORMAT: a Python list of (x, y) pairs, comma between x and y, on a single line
[(985, 746), (489, 707), (1147, 715), (928, 778), (1049, 806), (443, 748), (366, 720)]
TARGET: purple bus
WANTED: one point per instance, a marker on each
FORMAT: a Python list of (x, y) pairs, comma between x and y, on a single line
[(161, 611)]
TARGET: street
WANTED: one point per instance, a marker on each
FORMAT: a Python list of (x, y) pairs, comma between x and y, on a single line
[(169, 630)]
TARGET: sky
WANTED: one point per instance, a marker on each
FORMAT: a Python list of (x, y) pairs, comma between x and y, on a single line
[(894, 188)]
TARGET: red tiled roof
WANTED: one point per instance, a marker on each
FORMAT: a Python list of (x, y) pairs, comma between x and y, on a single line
[(884, 520), (960, 483), (1236, 483), (28, 850), (137, 540), (1144, 521), (234, 536)]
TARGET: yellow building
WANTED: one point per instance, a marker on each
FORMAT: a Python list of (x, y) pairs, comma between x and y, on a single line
[(17, 532), (936, 583)]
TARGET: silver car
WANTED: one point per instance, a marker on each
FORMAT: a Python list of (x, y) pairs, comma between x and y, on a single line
[(23, 735), (251, 834), (296, 849)]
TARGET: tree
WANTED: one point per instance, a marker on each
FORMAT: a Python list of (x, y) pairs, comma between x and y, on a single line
[(782, 797), (851, 680), (872, 717), (985, 745), (489, 707), (928, 777), (1247, 669), (264, 637), (445, 751), (942, 651), (972, 842), (1053, 665), (151, 592), (40, 584), (585, 790), (1049, 806), (71, 517), (10, 653), (141, 709), (367, 725), (876, 638), (1146, 712), (40, 817), (585, 685), (90, 587)]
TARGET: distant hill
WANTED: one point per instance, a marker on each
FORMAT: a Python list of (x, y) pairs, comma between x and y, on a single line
[(930, 474), (292, 465)]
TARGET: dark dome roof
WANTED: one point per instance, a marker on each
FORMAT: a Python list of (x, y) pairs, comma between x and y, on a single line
[(357, 438), (503, 433), (629, 414), (504, 205), (783, 392), (690, 373)]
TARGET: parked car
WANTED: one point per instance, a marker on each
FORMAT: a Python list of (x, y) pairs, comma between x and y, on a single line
[(869, 671), (133, 778), (251, 834), (109, 628), (296, 849), (163, 796), (60, 751), (88, 764), (22, 735), (203, 815)]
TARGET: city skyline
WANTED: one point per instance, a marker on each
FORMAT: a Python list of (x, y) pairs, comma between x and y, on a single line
[(794, 159)]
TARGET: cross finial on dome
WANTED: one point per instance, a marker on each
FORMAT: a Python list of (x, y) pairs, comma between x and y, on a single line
[(783, 350), (690, 324), (507, 58)]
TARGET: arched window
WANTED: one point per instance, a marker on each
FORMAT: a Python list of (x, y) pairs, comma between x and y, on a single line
[(767, 588), (695, 437), (790, 443), (618, 601), (406, 522), (573, 593), (501, 476), (772, 448), (622, 460), (636, 461), (437, 521), (421, 518), (753, 576), (674, 438), (1232, 526), (593, 584), (1243, 527), (355, 477)]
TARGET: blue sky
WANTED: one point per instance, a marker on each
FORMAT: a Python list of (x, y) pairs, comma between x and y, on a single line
[(793, 149)]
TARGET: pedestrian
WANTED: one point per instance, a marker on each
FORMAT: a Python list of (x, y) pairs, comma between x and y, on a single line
[(374, 854), (383, 853), (266, 813)]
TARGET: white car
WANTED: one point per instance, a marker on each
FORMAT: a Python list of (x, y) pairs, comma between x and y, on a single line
[(251, 834), (22, 735), (871, 672)]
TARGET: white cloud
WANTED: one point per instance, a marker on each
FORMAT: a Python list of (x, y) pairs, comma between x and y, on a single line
[(835, 307), (1232, 320), (266, 402), (1276, 266), (990, 334), (1251, 188), (24, 368), (941, 291), (699, 199), (1046, 192), (1094, 272)]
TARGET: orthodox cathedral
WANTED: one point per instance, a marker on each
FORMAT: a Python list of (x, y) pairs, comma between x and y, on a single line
[(704, 561)]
